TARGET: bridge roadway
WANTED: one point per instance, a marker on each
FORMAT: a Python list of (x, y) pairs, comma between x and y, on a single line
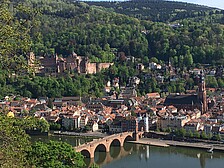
[(103, 144)]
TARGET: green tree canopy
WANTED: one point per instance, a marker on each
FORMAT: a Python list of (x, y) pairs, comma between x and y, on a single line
[(14, 143), (54, 154), (15, 24)]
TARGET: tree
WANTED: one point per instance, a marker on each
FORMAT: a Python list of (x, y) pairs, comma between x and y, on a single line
[(220, 83), (188, 60), (190, 134), (55, 126), (154, 59), (203, 135), (54, 154), (31, 124), (196, 134), (168, 130), (94, 166), (190, 83), (211, 82), (218, 137), (182, 132), (14, 144), (210, 135), (14, 34)]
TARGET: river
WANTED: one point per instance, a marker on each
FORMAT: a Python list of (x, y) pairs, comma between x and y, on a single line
[(145, 156)]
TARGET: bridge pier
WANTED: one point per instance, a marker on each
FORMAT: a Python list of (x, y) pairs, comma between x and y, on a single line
[(91, 150), (91, 155), (135, 136), (107, 145), (108, 149)]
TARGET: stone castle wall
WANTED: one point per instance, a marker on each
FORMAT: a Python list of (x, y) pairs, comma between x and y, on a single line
[(91, 68)]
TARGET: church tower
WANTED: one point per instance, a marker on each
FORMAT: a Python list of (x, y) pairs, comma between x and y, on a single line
[(202, 93), (170, 68)]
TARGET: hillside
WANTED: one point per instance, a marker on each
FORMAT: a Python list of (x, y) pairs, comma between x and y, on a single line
[(156, 10), (62, 27), (98, 33)]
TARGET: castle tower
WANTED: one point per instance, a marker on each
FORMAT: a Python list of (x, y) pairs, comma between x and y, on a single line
[(202, 93), (86, 65)]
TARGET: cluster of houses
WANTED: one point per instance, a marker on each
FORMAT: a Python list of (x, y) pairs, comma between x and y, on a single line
[(125, 113)]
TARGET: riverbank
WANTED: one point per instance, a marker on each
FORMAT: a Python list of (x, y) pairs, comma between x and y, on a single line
[(151, 142), (88, 134), (166, 143)]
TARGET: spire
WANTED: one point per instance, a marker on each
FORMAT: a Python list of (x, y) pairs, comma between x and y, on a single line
[(202, 92)]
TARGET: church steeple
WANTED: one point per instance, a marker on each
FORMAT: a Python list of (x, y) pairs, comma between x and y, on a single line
[(202, 92), (170, 67)]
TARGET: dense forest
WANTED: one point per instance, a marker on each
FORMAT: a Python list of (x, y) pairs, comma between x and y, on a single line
[(156, 10), (99, 34), (62, 27)]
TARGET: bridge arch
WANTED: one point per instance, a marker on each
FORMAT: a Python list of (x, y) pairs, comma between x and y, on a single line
[(115, 142), (128, 138), (101, 148), (86, 153), (100, 157), (127, 147), (115, 151)]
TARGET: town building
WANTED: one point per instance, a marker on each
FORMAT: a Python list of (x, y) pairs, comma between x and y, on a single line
[(173, 122), (95, 106), (190, 101), (143, 124)]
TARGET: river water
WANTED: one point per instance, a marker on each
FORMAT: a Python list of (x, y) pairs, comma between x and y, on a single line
[(145, 156)]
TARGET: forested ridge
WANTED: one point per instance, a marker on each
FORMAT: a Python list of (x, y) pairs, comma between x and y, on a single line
[(65, 27), (62, 27), (156, 10)]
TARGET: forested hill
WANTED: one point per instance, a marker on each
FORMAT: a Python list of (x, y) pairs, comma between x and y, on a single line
[(156, 10), (97, 33), (62, 27), (65, 27)]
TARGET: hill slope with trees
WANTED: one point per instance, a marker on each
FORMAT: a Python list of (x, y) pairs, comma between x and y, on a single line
[(155, 10), (62, 27)]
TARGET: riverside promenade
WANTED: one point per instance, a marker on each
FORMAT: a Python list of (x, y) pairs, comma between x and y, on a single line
[(166, 143)]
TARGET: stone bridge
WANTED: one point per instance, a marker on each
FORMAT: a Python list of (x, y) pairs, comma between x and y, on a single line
[(103, 144)]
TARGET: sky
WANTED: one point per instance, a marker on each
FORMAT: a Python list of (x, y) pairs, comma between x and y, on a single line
[(212, 3)]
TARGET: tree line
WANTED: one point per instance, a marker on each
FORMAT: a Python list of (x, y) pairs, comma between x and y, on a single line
[(18, 151)]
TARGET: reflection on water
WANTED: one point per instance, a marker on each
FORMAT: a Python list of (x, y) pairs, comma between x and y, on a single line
[(116, 153), (74, 141), (145, 156)]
